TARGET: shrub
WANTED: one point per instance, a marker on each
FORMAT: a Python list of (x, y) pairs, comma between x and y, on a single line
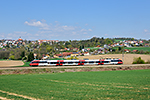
[(12, 57), (138, 61), (71, 58)]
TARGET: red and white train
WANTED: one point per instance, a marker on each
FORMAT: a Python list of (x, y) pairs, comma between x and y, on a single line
[(74, 62)]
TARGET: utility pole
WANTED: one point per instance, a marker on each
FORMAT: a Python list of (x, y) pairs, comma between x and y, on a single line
[(123, 54)]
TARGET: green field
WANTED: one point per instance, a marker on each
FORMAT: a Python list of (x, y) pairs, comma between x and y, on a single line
[(130, 48), (136, 48), (92, 48), (116, 85)]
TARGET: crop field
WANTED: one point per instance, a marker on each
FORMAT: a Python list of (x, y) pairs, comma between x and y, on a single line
[(139, 48), (102, 85)]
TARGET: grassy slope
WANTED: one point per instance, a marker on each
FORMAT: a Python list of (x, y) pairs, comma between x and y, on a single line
[(133, 84)]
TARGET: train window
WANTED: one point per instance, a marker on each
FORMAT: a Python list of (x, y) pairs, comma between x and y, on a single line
[(85, 62), (105, 61), (116, 61), (112, 60), (35, 62), (70, 62), (43, 62), (97, 61), (91, 61), (53, 62), (119, 60)]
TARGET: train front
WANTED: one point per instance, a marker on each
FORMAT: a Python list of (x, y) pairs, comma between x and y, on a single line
[(120, 62), (34, 63)]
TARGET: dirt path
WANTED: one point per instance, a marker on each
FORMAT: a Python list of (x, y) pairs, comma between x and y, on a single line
[(127, 58), (23, 96), (2, 98), (9, 63)]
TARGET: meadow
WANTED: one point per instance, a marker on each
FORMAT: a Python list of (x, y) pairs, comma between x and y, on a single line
[(116, 85)]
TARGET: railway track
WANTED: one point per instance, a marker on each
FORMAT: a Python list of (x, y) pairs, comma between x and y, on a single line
[(41, 67)]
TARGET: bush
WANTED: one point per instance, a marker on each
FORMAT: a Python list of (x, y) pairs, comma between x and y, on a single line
[(71, 58), (12, 57), (138, 61)]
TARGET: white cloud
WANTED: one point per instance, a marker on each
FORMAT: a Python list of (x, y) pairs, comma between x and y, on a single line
[(68, 27), (57, 30), (90, 29), (2, 35), (86, 24), (83, 30), (106, 34), (41, 32), (74, 33), (38, 24), (85, 33), (20, 32), (145, 30)]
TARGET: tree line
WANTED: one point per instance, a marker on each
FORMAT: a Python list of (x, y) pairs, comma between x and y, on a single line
[(26, 52)]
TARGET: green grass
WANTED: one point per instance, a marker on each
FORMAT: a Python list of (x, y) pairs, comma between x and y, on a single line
[(116, 85), (136, 48), (118, 40), (12, 96), (57, 59), (92, 48), (26, 64), (3, 59)]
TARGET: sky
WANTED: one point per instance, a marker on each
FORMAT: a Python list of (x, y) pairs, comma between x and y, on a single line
[(74, 19)]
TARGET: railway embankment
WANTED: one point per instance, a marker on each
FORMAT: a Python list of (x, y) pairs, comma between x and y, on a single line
[(62, 69)]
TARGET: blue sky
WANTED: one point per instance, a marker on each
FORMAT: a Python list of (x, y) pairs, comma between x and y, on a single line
[(74, 19)]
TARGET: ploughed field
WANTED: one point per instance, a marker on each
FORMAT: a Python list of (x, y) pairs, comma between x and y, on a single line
[(127, 58), (10, 63), (116, 85)]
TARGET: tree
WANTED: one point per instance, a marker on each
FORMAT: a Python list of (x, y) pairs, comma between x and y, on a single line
[(119, 48), (108, 41), (23, 54), (4, 54), (30, 56)]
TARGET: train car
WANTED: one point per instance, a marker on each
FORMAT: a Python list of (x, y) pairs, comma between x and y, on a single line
[(116, 61), (74, 62)]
